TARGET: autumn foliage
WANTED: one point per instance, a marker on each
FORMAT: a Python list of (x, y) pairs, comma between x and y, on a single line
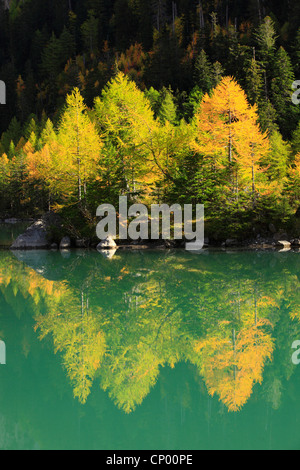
[(132, 142)]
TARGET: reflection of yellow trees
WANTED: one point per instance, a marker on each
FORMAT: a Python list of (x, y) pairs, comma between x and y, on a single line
[(29, 284), (151, 341), (76, 334), (122, 328), (130, 376), (231, 364)]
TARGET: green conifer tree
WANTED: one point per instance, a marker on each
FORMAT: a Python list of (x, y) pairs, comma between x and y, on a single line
[(281, 92)]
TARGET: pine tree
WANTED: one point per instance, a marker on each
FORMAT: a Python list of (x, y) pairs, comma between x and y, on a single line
[(296, 140), (159, 9), (13, 134), (278, 159), (203, 73), (145, 28), (268, 116), (265, 37), (89, 32), (254, 81), (296, 53), (51, 58), (124, 29), (281, 88), (167, 111), (217, 73), (165, 66)]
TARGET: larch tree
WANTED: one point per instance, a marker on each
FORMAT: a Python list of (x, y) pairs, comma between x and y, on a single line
[(78, 155), (228, 132), (251, 147), (127, 122)]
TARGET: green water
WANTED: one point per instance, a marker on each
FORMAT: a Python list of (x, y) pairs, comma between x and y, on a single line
[(149, 350)]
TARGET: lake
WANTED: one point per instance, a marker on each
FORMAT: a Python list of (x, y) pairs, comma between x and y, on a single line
[(165, 350)]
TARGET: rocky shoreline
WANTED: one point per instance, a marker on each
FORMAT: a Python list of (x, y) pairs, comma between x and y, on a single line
[(38, 236)]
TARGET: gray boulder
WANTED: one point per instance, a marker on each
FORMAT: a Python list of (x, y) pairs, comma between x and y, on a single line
[(81, 243), (107, 244), (65, 243), (231, 242), (35, 237)]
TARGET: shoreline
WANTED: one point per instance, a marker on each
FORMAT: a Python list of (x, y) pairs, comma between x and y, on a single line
[(39, 236), (161, 247)]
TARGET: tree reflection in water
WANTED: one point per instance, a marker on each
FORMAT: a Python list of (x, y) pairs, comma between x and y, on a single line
[(117, 321)]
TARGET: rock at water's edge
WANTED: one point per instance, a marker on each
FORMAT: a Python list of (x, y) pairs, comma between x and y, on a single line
[(107, 244), (36, 236), (65, 243), (283, 244)]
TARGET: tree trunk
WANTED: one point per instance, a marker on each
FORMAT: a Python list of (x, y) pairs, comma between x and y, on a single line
[(227, 15), (253, 177), (253, 181), (259, 11), (201, 16), (230, 140), (79, 181)]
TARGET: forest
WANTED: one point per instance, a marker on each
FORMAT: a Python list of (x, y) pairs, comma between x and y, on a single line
[(184, 101)]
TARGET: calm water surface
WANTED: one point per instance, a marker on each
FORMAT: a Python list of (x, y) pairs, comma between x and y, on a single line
[(149, 350)]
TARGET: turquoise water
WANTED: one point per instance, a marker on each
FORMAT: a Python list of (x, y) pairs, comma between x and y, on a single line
[(163, 350)]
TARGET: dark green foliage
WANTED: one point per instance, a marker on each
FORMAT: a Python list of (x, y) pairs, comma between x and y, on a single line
[(176, 51), (281, 92), (203, 74), (38, 38)]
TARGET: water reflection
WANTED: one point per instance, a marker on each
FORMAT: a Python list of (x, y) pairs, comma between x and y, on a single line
[(117, 322), (109, 254)]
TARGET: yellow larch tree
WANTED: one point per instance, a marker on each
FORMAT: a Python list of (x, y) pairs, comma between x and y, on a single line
[(127, 122), (78, 154), (227, 132), (251, 146)]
